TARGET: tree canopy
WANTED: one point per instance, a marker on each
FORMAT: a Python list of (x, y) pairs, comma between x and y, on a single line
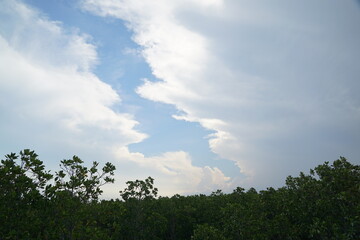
[(36, 204)]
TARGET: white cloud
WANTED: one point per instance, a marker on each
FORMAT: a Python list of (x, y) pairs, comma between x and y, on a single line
[(51, 101), (276, 82), (46, 78), (175, 173)]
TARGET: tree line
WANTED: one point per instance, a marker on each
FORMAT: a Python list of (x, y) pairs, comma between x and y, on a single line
[(35, 204)]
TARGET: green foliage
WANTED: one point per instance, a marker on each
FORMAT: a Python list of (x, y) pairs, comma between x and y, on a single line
[(326, 203), (142, 221), (21, 186), (206, 232), (34, 204), (80, 181), (28, 177), (139, 190), (33, 208)]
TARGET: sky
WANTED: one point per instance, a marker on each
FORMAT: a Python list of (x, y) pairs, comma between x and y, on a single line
[(198, 94)]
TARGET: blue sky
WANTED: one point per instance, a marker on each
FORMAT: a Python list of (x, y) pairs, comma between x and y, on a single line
[(200, 95)]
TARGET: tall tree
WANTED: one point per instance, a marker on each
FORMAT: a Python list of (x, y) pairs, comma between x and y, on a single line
[(143, 221), (75, 186), (23, 179)]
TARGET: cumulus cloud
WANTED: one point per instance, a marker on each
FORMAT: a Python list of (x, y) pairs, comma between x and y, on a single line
[(274, 81), (176, 173), (46, 78), (52, 101)]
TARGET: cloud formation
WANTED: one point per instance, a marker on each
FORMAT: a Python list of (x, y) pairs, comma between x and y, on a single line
[(51, 100), (46, 78), (274, 81), (176, 173)]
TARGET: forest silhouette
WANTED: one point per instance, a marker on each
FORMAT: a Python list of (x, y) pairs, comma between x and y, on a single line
[(36, 204)]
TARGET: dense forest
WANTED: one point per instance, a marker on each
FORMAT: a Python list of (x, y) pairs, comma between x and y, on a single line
[(35, 204)]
